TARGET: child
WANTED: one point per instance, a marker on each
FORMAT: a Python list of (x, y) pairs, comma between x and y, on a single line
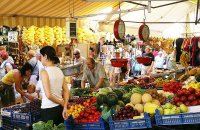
[(31, 91)]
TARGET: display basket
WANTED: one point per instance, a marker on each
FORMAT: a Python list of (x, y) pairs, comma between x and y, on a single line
[(130, 124), (71, 69), (177, 119), (71, 125), (25, 117), (143, 60), (119, 62)]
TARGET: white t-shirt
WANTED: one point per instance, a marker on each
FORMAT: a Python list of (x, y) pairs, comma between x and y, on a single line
[(56, 79), (159, 61), (3, 68)]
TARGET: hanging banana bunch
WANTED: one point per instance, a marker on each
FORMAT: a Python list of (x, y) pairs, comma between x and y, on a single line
[(184, 59)]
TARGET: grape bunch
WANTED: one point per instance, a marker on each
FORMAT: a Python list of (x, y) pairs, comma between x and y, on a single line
[(33, 106)]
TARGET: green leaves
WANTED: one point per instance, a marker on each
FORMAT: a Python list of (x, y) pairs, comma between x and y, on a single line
[(47, 126)]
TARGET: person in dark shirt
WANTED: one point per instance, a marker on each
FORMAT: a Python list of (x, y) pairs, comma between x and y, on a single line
[(147, 68)]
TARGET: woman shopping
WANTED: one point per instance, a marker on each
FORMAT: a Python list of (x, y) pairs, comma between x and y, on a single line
[(16, 77), (55, 93)]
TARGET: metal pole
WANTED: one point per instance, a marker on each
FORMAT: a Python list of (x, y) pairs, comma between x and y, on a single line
[(197, 13), (168, 4)]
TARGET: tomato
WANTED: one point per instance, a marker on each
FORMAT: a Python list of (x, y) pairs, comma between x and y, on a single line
[(84, 120), (88, 111), (86, 115), (94, 108), (81, 113)]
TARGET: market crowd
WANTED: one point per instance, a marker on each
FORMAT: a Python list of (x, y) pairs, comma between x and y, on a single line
[(41, 77)]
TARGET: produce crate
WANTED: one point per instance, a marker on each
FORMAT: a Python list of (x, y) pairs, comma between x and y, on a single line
[(130, 124), (71, 125), (25, 117), (177, 119), (7, 123), (22, 126)]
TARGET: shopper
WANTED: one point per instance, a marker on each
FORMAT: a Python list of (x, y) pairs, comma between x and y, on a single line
[(95, 74), (78, 59), (33, 61), (146, 69), (159, 61), (53, 87), (15, 77), (6, 64)]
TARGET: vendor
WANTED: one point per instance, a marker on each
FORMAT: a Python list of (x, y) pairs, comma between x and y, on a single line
[(146, 69), (16, 77), (33, 61), (95, 74), (78, 59), (159, 61)]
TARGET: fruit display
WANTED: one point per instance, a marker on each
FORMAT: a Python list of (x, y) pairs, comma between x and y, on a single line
[(189, 97), (57, 35), (75, 110), (184, 59), (28, 35), (126, 113), (90, 102), (169, 109), (87, 35), (147, 82), (39, 36), (172, 87), (88, 115), (48, 36), (159, 82), (192, 84), (155, 95)]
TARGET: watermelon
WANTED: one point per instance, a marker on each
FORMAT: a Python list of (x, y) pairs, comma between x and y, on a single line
[(101, 98), (111, 100), (125, 99), (119, 93), (123, 90)]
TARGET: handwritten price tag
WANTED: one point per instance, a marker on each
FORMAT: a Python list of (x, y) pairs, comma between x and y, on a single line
[(12, 36)]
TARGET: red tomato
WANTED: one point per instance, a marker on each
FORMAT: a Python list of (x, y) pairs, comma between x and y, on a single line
[(94, 108), (86, 115)]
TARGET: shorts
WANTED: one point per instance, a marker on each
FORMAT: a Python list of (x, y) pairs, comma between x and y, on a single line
[(54, 113), (7, 94)]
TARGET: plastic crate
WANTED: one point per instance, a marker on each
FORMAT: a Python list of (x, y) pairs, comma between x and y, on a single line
[(130, 124), (7, 123), (22, 126), (25, 117), (71, 125), (177, 119)]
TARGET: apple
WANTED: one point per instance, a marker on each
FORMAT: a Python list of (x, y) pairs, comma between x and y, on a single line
[(192, 97), (197, 93), (166, 111), (183, 108), (183, 98), (192, 90), (183, 91), (176, 99), (179, 103), (168, 106), (187, 93), (194, 103), (172, 111), (178, 110), (187, 103), (179, 93)]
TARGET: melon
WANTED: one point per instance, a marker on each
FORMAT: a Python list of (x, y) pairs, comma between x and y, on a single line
[(139, 108), (146, 98), (136, 98)]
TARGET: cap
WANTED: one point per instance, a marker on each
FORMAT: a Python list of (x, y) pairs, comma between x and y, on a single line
[(4, 54)]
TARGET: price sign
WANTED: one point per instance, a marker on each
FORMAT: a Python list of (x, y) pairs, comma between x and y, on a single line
[(12, 36)]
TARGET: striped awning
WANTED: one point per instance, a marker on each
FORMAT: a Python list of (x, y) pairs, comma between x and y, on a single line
[(46, 12)]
